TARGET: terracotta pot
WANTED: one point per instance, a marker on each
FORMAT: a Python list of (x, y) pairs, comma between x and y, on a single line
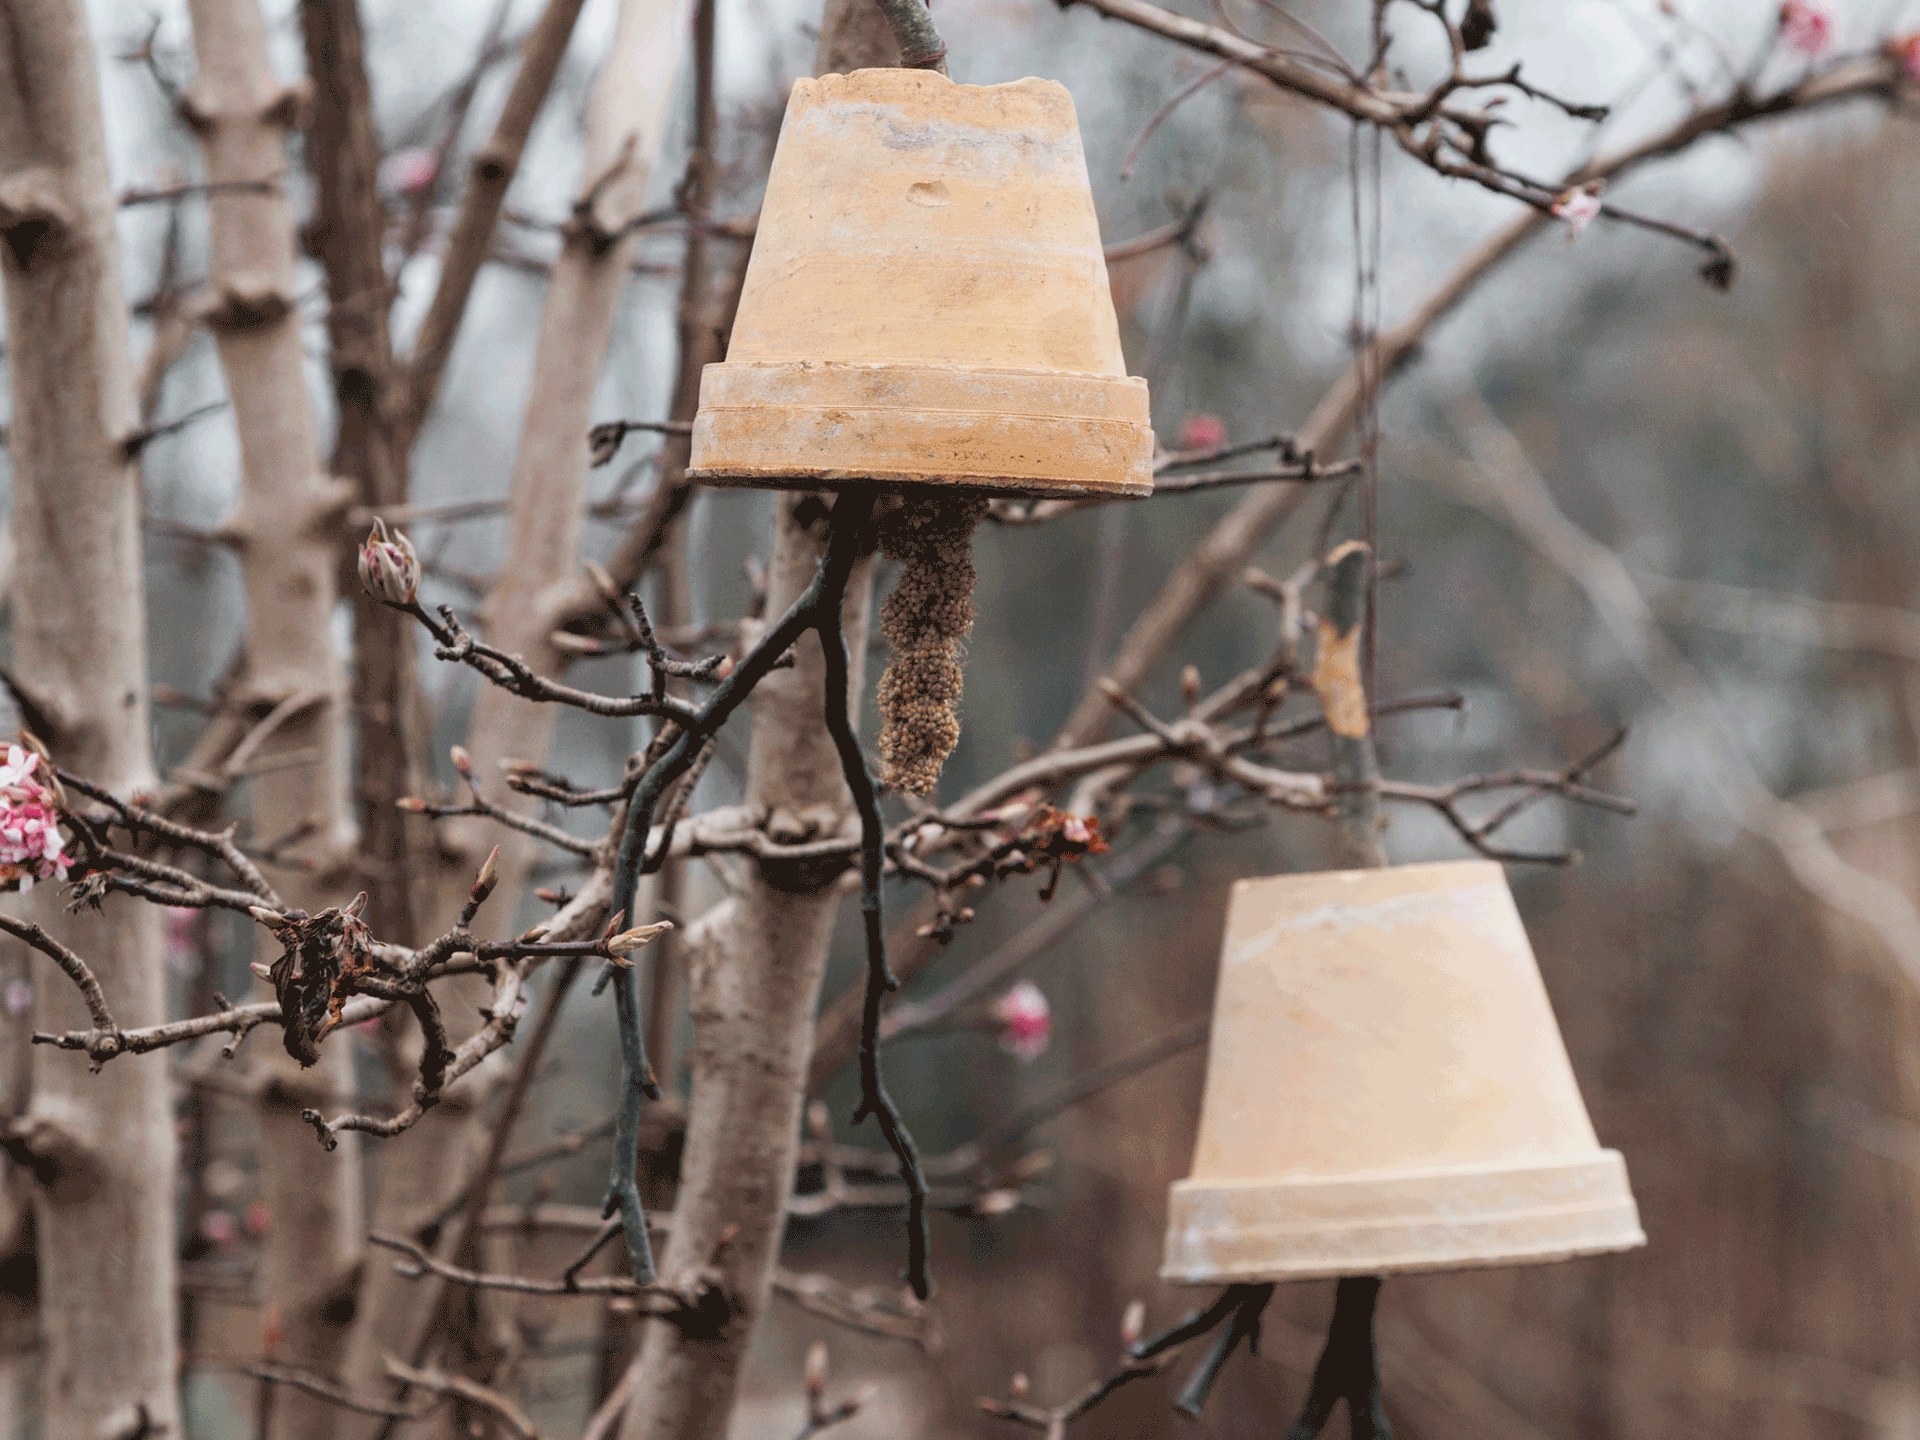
[(1387, 1090), (927, 302)]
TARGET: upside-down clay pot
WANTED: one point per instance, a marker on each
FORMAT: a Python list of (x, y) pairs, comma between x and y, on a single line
[(927, 302), (1387, 1090)]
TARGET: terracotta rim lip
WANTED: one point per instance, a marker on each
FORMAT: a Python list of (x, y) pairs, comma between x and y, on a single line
[(1403, 1221), (1545, 1254), (935, 367), (795, 477), (1601, 1158)]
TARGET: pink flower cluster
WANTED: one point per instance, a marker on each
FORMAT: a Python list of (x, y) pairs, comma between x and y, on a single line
[(31, 846)]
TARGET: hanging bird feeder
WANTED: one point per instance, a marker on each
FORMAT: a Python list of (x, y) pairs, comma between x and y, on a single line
[(926, 304), (1387, 1091), (926, 310)]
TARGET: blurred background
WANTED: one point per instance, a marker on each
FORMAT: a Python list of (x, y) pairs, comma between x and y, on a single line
[(1752, 458)]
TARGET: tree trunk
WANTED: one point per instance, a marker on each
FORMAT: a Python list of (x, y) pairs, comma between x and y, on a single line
[(753, 993), (546, 511), (349, 228), (102, 1148), (285, 532), (546, 504), (755, 990)]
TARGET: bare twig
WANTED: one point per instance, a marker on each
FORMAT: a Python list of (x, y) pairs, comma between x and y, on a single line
[(469, 1390)]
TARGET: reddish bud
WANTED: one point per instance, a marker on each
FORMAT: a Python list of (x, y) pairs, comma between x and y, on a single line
[(1203, 432), (1806, 25), (389, 568), (1026, 1020)]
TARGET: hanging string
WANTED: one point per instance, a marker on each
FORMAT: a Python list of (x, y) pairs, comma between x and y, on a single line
[(1364, 155)]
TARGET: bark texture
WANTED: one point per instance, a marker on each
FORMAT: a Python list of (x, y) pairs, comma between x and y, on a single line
[(101, 1148), (347, 233), (285, 533), (755, 988)]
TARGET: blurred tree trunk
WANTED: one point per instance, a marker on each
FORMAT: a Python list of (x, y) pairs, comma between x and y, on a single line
[(19, 1290), (546, 503), (102, 1148), (285, 534), (348, 233), (546, 510)]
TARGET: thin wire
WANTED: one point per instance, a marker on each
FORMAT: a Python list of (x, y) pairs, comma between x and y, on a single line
[(1364, 156)]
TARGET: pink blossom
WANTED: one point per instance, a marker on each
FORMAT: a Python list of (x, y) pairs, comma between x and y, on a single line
[(1025, 1019), (259, 1219), (31, 846), (1203, 432), (1806, 25), (407, 172), (1579, 207)]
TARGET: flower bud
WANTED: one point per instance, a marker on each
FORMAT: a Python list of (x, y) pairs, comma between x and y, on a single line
[(389, 568), (272, 919), (816, 1368), (1133, 1322), (483, 883), (1025, 1020), (628, 941)]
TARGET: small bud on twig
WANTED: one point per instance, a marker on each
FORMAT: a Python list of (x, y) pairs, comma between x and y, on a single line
[(272, 919), (627, 941), (488, 877), (389, 568), (816, 1369), (1133, 1322)]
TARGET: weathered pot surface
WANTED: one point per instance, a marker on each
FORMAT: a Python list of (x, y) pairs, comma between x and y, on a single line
[(1387, 1090), (927, 302)]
